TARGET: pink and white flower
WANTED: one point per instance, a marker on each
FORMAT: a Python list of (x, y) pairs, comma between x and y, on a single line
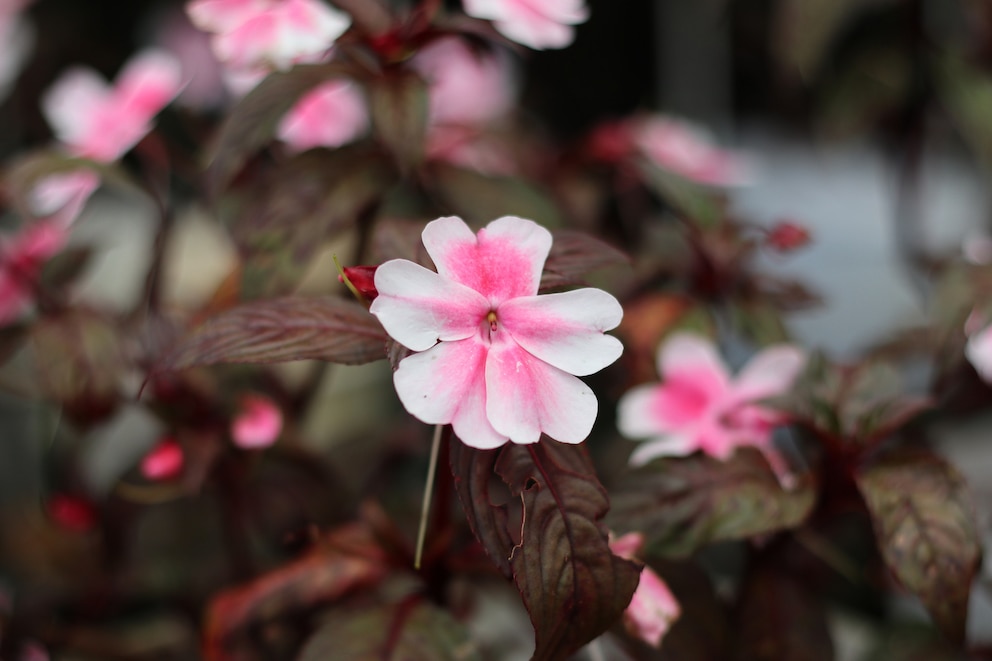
[(21, 258), (96, 121), (496, 361), (60, 198), (687, 151), (257, 424), (268, 34), (538, 24), (163, 462), (330, 115), (653, 608), (699, 406)]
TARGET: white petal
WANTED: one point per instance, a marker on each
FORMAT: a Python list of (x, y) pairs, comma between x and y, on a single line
[(692, 354), (662, 446), (769, 373), (72, 103)]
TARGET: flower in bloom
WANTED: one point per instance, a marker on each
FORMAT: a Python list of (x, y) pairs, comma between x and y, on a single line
[(699, 406), (330, 115), (495, 360), (21, 258), (257, 424), (96, 121), (164, 461), (653, 609), (685, 150), (268, 34), (538, 24)]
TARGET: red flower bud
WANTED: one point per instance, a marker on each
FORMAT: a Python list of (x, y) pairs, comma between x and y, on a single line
[(71, 512), (786, 236), (362, 278), (164, 461)]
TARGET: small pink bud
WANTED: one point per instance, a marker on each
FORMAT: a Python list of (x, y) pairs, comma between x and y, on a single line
[(257, 424), (164, 461), (71, 512), (653, 608), (611, 142), (787, 236), (363, 278)]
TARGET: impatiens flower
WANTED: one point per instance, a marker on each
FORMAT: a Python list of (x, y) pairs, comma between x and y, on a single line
[(96, 121), (60, 197), (257, 424), (362, 278), (268, 34), (21, 258), (164, 461), (978, 350), (539, 24), (330, 115), (699, 406), (495, 360), (653, 609), (686, 150)]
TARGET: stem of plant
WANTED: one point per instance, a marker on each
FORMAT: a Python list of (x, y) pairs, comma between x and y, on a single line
[(425, 507)]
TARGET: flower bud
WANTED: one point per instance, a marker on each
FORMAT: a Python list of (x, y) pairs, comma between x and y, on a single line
[(786, 236)]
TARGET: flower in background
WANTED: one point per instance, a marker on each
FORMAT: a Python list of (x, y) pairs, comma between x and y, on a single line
[(653, 609), (163, 462), (268, 34), (257, 424), (699, 406), (978, 350), (495, 360), (687, 151), (538, 24), (330, 115), (21, 258), (60, 198), (786, 236), (204, 75)]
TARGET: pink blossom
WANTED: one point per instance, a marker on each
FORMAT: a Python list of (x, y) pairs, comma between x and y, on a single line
[(100, 122), (257, 424), (686, 150), (653, 607), (699, 406), (539, 24), (470, 148), (21, 258), (330, 115), (270, 34), (61, 197), (205, 87), (495, 360), (978, 350), (164, 462)]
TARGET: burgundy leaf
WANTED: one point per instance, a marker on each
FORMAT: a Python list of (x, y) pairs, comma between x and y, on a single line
[(575, 254), (683, 504), (572, 585), (398, 103), (282, 330), (479, 199), (923, 517)]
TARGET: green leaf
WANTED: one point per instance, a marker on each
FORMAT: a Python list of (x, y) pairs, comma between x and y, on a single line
[(572, 585), (479, 198), (682, 504), (699, 204), (967, 93), (282, 330), (398, 103), (923, 517), (413, 630)]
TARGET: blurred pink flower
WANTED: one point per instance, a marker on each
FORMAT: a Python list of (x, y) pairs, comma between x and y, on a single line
[(495, 360), (60, 197), (330, 115), (164, 461), (100, 122), (698, 406), (978, 350), (271, 34), (257, 424), (653, 608), (538, 24), (205, 87), (684, 149), (470, 148), (21, 258)]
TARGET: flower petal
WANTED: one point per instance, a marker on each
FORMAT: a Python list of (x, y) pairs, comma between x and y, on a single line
[(526, 396), (504, 261), (566, 330), (446, 384), (978, 351), (769, 373), (674, 445), (147, 84), (418, 307), (686, 353), (329, 115), (73, 102)]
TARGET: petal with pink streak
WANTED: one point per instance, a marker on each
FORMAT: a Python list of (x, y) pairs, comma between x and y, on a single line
[(769, 373), (978, 351), (503, 261), (61, 196), (652, 609), (673, 445), (418, 307), (566, 329), (73, 103), (526, 396), (446, 384), (218, 15), (694, 356), (164, 462), (535, 23), (257, 424), (148, 82), (330, 115)]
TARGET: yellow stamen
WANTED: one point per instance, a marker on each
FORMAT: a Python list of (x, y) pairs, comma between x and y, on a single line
[(491, 318)]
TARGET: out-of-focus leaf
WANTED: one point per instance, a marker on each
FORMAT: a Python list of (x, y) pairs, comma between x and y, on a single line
[(281, 222), (399, 239), (682, 504), (923, 517), (967, 94), (398, 103), (282, 330), (779, 620), (572, 585), (908, 643), (698, 204), (253, 121), (413, 630), (701, 632), (760, 322), (347, 559), (11, 339), (479, 199), (575, 254), (65, 267)]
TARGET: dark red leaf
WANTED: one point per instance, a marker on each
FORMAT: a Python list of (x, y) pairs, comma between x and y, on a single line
[(398, 103), (574, 255), (282, 330), (923, 517), (572, 585), (479, 199), (682, 504)]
